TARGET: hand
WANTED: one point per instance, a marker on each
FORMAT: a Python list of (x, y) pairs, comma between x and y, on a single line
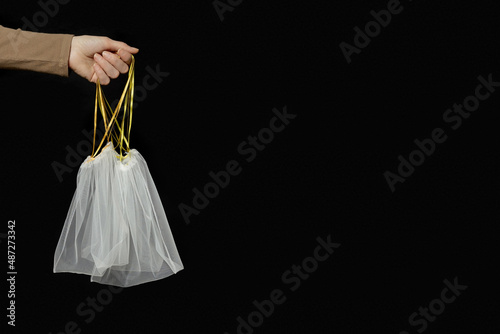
[(95, 57)]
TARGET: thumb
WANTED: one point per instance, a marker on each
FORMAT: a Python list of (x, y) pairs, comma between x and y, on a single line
[(114, 46)]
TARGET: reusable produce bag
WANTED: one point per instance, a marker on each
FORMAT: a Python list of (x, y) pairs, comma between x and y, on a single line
[(116, 229)]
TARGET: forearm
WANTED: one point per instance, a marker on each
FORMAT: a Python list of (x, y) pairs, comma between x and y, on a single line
[(40, 52)]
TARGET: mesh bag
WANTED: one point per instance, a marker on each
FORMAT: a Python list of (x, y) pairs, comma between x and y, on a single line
[(116, 229)]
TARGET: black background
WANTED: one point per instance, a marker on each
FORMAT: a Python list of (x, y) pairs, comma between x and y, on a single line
[(323, 175)]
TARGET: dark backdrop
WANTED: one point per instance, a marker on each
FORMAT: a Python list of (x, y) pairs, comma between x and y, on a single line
[(323, 175)]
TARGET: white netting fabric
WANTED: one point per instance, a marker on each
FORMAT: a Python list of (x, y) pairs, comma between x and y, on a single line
[(116, 229)]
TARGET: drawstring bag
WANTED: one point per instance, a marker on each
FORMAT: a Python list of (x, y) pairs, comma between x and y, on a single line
[(116, 229)]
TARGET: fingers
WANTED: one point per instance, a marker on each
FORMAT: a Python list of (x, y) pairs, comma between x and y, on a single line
[(125, 56), (116, 61), (122, 49), (113, 58), (108, 68), (101, 75)]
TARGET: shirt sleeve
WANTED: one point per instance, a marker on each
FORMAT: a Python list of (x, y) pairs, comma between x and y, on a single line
[(32, 51)]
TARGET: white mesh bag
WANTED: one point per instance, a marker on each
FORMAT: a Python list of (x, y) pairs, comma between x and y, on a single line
[(116, 229)]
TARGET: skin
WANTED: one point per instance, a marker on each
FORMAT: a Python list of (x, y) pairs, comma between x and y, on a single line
[(95, 57)]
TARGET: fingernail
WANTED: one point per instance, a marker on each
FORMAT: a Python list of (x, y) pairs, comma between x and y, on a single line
[(109, 54)]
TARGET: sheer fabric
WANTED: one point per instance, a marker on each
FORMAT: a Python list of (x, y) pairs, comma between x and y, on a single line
[(116, 229)]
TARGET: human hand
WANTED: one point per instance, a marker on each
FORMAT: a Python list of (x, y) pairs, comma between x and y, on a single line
[(96, 57)]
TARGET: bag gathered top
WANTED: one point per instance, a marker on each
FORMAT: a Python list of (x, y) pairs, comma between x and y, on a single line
[(116, 229)]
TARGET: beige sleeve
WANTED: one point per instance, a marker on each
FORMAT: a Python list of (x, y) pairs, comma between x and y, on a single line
[(40, 52)]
